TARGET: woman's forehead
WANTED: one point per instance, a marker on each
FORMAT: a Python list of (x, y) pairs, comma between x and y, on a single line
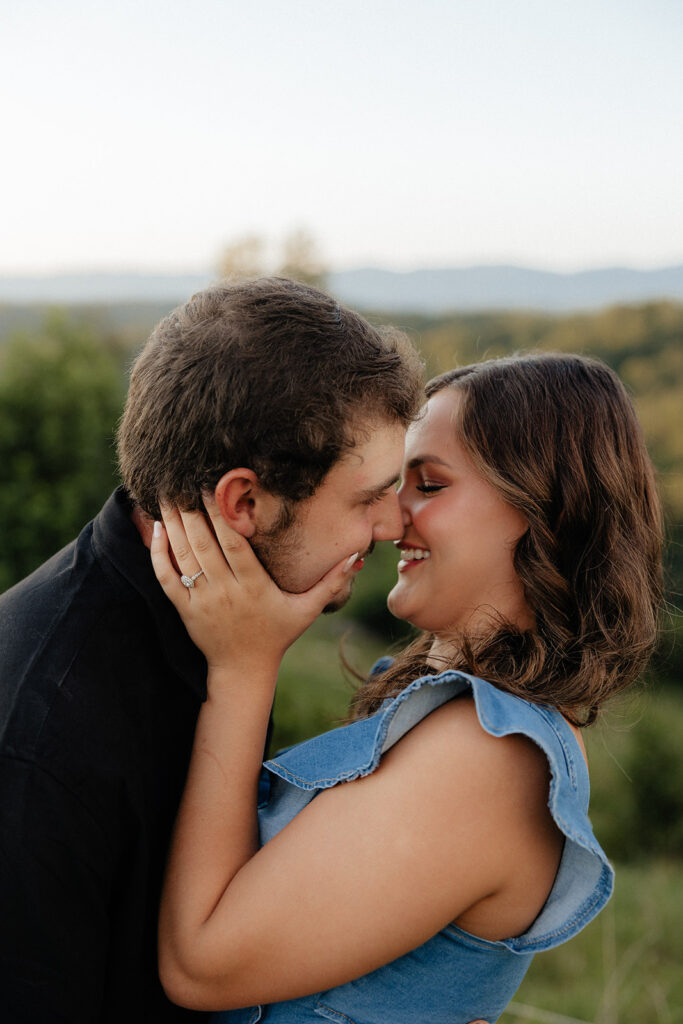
[(436, 426)]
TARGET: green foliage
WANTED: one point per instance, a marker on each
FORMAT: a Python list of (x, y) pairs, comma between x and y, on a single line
[(624, 968), (655, 766), (667, 663), (636, 758), (61, 393), (312, 693)]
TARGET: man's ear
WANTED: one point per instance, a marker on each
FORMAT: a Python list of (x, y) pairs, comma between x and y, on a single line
[(244, 504), (236, 495)]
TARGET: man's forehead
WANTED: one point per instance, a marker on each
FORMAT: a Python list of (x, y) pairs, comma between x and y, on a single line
[(373, 467), (381, 443)]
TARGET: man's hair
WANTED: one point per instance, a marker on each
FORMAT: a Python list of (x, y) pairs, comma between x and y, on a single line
[(268, 374), (558, 438)]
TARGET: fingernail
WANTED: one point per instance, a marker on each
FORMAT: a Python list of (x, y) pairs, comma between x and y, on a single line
[(350, 561), (157, 528)]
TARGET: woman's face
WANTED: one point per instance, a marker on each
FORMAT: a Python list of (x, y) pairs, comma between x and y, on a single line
[(459, 536)]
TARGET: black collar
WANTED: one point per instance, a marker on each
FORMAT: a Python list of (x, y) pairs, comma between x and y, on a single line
[(117, 543)]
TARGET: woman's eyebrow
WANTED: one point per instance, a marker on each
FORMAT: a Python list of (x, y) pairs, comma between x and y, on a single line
[(419, 460)]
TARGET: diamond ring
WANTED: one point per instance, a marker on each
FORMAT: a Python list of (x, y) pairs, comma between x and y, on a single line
[(188, 581)]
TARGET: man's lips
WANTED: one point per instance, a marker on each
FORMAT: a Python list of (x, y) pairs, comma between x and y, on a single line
[(360, 561)]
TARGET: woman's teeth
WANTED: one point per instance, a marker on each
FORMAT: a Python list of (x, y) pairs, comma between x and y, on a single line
[(414, 554)]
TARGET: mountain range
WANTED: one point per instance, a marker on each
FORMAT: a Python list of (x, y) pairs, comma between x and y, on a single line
[(431, 291)]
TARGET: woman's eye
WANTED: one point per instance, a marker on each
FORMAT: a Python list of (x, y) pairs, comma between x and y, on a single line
[(429, 488)]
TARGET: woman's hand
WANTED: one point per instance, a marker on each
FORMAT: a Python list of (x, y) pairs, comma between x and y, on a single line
[(234, 612)]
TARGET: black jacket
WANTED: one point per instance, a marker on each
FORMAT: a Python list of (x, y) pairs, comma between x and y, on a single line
[(100, 687)]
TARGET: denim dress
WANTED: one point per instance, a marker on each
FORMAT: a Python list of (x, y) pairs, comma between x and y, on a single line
[(454, 977)]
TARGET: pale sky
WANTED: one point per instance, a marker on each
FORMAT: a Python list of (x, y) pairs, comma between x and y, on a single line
[(147, 134)]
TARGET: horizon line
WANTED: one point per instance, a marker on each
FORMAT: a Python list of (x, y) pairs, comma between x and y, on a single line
[(133, 271)]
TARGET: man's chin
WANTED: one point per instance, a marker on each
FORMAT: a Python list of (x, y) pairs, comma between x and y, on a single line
[(277, 556), (290, 586), (335, 605), (339, 602)]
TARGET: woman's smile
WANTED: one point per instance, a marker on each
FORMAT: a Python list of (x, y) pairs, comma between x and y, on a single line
[(411, 556)]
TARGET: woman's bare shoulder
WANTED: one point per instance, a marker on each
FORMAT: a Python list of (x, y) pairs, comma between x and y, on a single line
[(452, 737), (495, 791)]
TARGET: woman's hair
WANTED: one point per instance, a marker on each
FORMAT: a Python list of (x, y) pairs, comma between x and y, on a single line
[(557, 437)]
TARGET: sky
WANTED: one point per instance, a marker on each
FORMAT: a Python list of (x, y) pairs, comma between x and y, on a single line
[(149, 134)]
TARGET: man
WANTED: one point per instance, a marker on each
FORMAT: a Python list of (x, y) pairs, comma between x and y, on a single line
[(291, 410)]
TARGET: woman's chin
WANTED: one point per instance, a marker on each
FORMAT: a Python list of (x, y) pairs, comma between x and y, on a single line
[(400, 607), (394, 600)]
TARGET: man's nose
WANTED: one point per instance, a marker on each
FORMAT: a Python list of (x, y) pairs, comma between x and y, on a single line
[(389, 523)]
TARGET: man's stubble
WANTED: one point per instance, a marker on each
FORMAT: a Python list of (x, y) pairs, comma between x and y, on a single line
[(279, 548)]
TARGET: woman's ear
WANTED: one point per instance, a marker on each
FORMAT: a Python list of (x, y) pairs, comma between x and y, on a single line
[(236, 495)]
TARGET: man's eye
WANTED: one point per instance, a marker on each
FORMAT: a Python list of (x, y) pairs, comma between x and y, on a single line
[(376, 498), (429, 488)]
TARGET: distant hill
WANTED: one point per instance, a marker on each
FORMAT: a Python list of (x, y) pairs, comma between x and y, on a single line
[(501, 287), (77, 289), (418, 291)]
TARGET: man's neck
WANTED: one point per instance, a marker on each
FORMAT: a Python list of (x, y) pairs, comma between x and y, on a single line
[(143, 523)]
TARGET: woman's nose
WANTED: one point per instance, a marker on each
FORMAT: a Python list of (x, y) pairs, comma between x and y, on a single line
[(403, 504), (389, 525)]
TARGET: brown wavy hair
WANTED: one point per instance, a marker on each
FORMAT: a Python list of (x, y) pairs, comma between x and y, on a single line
[(558, 438)]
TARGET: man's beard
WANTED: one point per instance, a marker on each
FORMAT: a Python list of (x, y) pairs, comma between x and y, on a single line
[(278, 548)]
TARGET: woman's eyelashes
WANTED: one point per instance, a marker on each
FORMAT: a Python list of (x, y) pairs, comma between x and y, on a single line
[(429, 488)]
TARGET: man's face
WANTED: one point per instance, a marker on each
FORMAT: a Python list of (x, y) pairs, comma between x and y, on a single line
[(355, 505)]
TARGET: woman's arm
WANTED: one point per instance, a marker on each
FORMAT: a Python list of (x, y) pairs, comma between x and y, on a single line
[(369, 869)]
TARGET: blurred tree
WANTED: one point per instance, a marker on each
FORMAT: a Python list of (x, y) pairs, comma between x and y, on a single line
[(61, 393), (655, 768), (243, 258), (301, 259)]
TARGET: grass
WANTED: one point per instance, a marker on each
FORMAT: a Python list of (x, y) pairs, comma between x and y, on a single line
[(626, 967)]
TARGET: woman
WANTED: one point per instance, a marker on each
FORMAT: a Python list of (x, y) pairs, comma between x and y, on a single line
[(458, 844)]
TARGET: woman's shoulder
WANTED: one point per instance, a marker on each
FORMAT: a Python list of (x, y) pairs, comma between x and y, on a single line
[(498, 783), (489, 753)]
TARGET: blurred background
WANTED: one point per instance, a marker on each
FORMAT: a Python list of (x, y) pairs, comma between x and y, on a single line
[(492, 177)]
